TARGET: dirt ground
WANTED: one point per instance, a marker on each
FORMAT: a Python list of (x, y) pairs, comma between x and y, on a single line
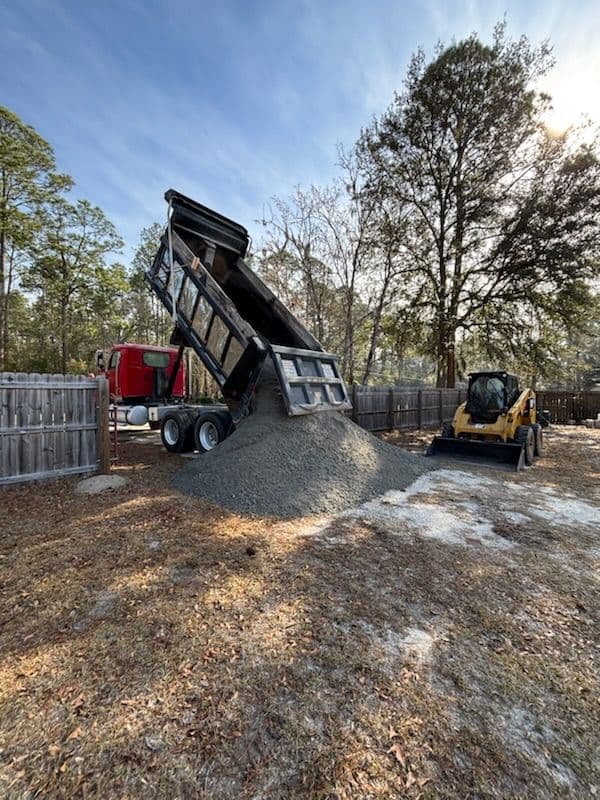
[(440, 642)]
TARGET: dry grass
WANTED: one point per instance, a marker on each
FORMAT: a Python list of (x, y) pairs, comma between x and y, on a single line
[(154, 646)]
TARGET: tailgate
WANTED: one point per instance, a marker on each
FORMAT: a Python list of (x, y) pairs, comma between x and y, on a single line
[(310, 380)]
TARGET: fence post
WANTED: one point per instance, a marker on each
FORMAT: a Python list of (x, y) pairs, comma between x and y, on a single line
[(354, 416), (102, 422), (441, 406), (391, 409), (419, 409)]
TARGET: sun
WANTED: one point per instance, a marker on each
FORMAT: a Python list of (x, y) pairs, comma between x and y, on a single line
[(566, 112), (575, 100)]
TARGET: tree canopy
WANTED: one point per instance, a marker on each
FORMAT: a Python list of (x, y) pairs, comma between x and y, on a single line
[(461, 233), (497, 216)]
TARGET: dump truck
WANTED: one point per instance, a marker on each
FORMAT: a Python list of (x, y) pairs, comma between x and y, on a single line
[(147, 383), (233, 322), (498, 423), (141, 378)]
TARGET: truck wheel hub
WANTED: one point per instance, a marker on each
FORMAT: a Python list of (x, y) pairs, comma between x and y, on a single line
[(208, 435), (171, 432)]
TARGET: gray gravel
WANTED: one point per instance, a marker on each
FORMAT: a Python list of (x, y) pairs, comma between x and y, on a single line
[(281, 466)]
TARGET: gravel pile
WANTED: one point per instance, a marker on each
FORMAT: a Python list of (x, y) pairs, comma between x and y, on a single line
[(281, 466)]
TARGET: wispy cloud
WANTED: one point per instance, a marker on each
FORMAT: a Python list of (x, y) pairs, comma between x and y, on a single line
[(236, 102)]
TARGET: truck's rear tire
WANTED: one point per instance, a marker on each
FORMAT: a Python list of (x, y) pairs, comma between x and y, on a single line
[(209, 431), (524, 436), (538, 435), (177, 431)]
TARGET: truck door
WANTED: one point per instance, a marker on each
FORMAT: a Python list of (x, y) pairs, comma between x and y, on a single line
[(112, 373)]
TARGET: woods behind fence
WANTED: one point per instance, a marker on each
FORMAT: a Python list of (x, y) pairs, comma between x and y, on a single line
[(51, 425)]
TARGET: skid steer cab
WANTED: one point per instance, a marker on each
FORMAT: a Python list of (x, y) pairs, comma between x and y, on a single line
[(497, 424)]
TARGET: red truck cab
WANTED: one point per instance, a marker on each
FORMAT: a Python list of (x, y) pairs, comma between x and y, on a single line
[(140, 373)]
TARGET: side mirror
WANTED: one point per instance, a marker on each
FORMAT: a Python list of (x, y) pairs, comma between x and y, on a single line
[(100, 361)]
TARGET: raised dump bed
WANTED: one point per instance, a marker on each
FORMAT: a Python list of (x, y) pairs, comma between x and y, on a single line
[(232, 320)]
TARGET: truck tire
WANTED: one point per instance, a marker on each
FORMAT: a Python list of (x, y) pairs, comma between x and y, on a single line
[(209, 431), (524, 436), (538, 436), (177, 431)]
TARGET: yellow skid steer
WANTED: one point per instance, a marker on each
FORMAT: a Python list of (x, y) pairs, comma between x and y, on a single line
[(498, 423)]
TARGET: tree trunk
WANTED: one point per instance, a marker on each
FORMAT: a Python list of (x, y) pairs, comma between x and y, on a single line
[(376, 328), (450, 364), (440, 352), (446, 357), (64, 343), (457, 276), (373, 343), (3, 302), (348, 348)]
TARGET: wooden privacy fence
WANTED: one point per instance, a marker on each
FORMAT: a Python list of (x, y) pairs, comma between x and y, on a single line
[(567, 406), (52, 425), (385, 408)]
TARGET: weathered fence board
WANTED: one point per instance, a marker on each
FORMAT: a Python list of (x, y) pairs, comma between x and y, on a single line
[(382, 408), (51, 425), (567, 406)]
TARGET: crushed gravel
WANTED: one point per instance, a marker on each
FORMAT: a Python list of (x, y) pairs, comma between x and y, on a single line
[(281, 466)]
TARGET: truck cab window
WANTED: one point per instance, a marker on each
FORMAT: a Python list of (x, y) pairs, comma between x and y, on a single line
[(154, 359)]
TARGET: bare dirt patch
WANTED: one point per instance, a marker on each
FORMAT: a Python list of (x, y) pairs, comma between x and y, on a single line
[(156, 646)]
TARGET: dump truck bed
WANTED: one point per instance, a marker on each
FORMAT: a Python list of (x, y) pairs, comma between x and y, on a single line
[(231, 319)]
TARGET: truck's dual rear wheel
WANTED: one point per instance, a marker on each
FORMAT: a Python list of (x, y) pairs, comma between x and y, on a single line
[(177, 431), (209, 431), (183, 431)]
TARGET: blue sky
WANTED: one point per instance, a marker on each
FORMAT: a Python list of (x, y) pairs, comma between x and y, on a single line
[(234, 102)]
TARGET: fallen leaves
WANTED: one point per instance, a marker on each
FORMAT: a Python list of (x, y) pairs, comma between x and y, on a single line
[(399, 754), (195, 673), (154, 743)]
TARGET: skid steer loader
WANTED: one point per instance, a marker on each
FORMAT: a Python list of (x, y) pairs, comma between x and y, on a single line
[(497, 424)]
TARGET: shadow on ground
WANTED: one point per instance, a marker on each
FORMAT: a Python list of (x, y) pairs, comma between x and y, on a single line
[(154, 646)]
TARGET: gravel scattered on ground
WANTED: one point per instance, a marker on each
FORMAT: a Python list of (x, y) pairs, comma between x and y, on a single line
[(281, 466)]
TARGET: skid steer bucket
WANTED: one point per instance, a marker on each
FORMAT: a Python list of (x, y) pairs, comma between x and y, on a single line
[(501, 455)]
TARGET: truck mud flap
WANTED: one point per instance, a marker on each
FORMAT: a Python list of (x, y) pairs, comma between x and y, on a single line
[(501, 455), (310, 381)]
